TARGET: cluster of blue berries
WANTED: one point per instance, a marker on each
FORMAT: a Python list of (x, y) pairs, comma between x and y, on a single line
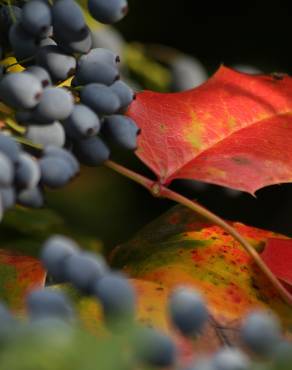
[(91, 276), (58, 127)]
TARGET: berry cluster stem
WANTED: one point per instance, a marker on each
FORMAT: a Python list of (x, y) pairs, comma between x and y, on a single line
[(161, 191)]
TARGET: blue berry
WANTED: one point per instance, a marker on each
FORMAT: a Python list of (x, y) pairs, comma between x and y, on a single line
[(68, 16), (23, 44), (41, 74), (59, 64), (6, 170), (56, 152), (201, 364), (100, 98), (154, 348), (99, 55), (27, 174), (72, 43), (55, 172), (108, 38), (82, 122), (9, 147), (108, 11), (47, 303), (260, 331), (54, 253), (52, 134), (187, 73), (230, 359), (124, 92), (83, 269), (36, 17), (55, 104), (8, 196), (8, 324), (188, 311), (20, 90), (96, 72), (116, 295), (31, 197), (92, 151), (121, 130)]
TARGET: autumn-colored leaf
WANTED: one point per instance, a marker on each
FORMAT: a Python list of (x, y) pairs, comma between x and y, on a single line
[(18, 275), (278, 256), (23, 232), (181, 248), (235, 130), (151, 310)]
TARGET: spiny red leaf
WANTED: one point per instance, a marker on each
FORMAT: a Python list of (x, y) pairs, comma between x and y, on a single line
[(235, 130), (278, 256)]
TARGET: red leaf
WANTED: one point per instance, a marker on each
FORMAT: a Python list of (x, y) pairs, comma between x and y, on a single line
[(278, 256), (235, 130), (19, 275)]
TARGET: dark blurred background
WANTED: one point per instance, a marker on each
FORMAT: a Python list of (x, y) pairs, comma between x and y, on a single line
[(109, 207), (260, 35)]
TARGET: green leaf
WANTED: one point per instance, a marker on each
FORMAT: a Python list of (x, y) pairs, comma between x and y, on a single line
[(24, 230)]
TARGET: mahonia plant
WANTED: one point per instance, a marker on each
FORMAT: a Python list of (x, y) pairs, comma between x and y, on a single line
[(58, 126), (64, 105)]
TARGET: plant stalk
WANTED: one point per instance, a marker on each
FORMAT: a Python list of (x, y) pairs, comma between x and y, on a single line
[(142, 180), (28, 59), (22, 140), (11, 123), (159, 190)]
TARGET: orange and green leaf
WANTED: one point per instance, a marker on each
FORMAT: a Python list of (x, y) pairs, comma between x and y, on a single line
[(18, 275), (181, 248)]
